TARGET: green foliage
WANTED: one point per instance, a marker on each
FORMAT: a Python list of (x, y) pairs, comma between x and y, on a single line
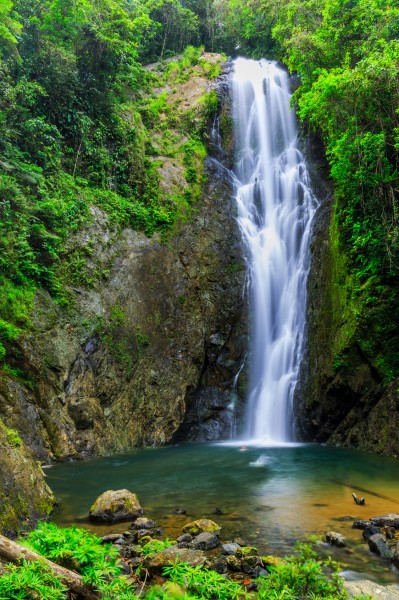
[(76, 131), (154, 546), (29, 581), (303, 576), (80, 550), (203, 583), (13, 438)]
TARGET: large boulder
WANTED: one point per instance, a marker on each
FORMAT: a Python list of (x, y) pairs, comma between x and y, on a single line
[(114, 506)]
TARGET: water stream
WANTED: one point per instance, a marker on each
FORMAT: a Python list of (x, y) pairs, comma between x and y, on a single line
[(270, 497), (275, 210), (275, 494)]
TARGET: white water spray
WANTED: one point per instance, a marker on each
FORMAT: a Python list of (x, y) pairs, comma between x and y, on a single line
[(275, 210)]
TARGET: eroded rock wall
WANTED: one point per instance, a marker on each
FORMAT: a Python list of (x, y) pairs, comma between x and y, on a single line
[(160, 337), (343, 398)]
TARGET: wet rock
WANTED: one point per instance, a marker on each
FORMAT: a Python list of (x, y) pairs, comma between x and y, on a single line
[(230, 549), (260, 572), (183, 545), (361, 524), (244, 551), (186, 537), (123, 550), (217, 564), (128, 535), (219, 511), (158, 561), (395, 556), (205, 541), (391, 520), (251, 587), (112, 538), (249, 563), (378, 544), (114, 506), (335, 539), (371, 589), (143, 533), (239, 541), (178, 511), (143, 523), (389, 532), (344, 518), (233, 563), (369, 531), (201, 526)]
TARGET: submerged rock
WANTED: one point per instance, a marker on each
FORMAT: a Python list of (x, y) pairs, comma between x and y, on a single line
[(114, 506), (202, 525), (143, 523)]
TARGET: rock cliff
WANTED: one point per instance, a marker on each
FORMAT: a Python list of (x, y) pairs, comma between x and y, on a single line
[(150, 352), (344, 397)]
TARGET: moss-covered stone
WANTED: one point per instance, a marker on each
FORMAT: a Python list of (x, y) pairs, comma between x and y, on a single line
[(244, 551), (24, 495), (114, 506), (201, 526)]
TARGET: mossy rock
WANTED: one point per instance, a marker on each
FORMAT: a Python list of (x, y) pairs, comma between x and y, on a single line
[(202, 526), (24, 495), (246, 551), (114, 506)]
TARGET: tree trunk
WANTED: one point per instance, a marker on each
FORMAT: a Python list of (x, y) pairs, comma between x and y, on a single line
[(12, 552)]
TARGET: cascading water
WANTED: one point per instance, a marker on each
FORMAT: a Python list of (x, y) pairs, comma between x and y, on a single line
[(275, 210)]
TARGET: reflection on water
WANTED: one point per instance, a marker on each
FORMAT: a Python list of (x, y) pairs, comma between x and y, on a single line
[(269, 496)]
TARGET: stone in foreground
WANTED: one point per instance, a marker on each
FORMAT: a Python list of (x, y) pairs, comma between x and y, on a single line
[(205, 541), (335, 539), (378, 544), (372, 590), (201, 526), (157, 562), (115, 506)]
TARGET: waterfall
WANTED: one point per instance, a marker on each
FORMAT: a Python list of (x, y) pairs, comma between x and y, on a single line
[(275, 211)]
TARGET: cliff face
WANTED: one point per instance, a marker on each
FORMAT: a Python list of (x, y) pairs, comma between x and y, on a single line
[(148, 354), (24, 495), (344, 397)]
